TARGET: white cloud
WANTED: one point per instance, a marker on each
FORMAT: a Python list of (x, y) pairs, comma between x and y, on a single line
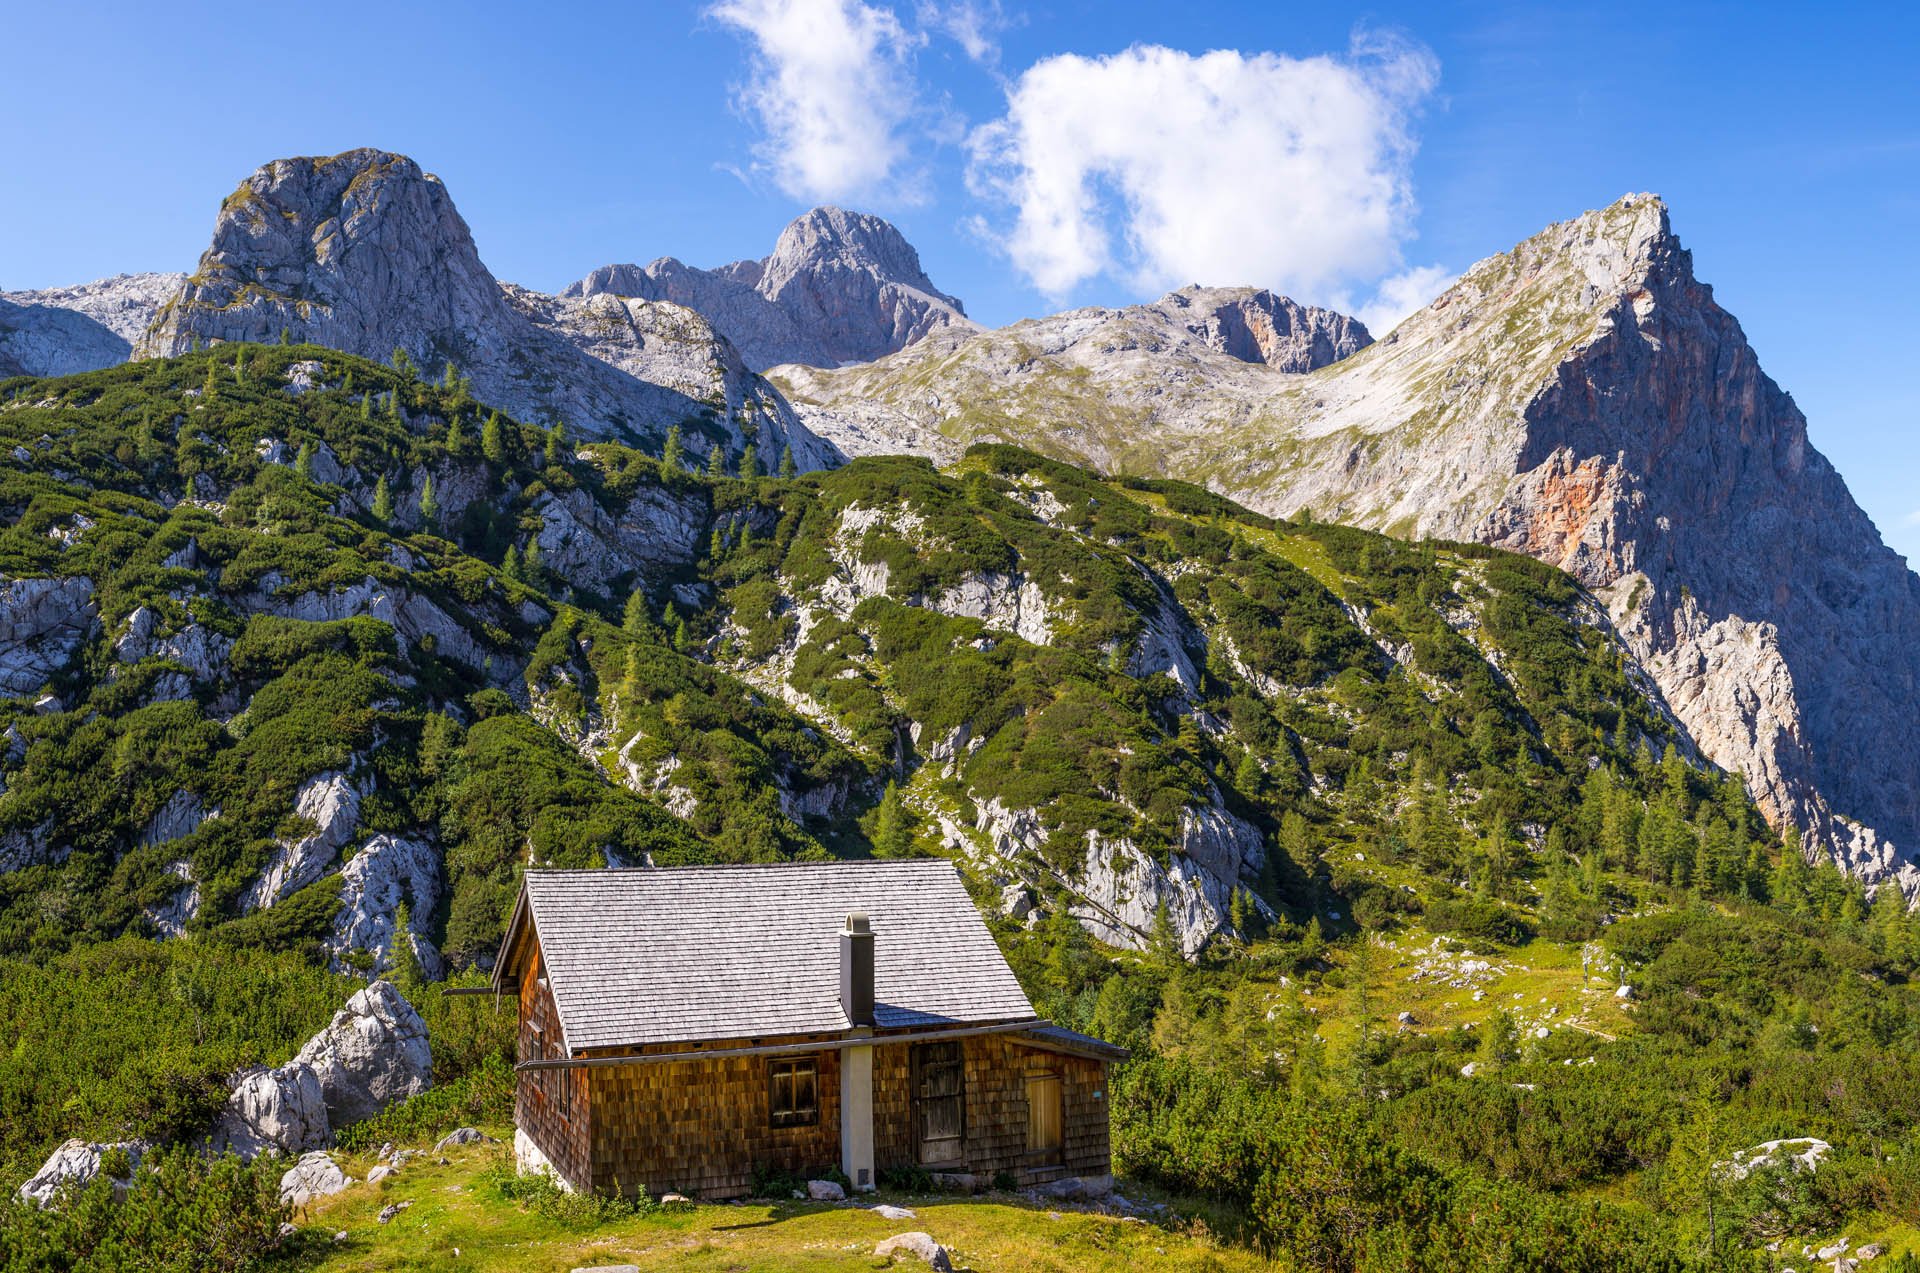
[(1911, 519), (832, 86), (1167, 168), (975, 25), (1398, 296)]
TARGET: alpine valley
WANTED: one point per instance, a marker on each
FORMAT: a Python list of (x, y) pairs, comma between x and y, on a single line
[(1473, 768)]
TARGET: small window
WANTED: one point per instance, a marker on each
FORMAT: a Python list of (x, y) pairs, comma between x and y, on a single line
[(795, 1086), (1043, 1112)]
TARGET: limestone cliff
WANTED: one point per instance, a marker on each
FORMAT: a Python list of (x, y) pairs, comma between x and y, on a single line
[(57, 331), (839, 287), (364, 252), (1581, 398)]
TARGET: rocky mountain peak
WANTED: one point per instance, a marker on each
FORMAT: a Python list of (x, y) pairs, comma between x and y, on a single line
[(360, 251), (839, 287), (1254, 325)]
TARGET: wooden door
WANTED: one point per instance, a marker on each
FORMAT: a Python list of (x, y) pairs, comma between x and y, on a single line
[(939, 1071)]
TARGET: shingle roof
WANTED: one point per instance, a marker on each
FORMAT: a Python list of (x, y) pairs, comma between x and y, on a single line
[(1058, 1036), (683, 954)]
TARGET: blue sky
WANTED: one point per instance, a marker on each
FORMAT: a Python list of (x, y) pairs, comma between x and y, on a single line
[(1326, 151)]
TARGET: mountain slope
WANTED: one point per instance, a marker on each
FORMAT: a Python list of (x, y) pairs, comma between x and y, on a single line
[(1581, 399), (56, 331), (839, 287), (363, 252)]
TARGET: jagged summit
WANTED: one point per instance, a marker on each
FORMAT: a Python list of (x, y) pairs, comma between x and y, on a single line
[(1580, 398), (364, 252), (839, 287), (1254, 325)]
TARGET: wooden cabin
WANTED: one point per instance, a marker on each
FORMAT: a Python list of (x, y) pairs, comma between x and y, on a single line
[(682, 1027)]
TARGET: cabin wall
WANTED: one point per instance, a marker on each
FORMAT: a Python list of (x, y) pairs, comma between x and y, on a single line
[(701, 1127), (550, 1106)]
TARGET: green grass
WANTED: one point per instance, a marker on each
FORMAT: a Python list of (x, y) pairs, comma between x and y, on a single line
[(457, 1208)]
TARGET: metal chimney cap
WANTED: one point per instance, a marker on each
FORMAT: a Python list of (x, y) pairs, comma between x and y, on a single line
[(857, 922)]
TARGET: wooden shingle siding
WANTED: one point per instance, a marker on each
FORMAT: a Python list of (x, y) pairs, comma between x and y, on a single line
[(551, 1106), (701, 1127)]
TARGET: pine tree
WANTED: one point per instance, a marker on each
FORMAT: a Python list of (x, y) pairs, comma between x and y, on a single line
[(393, 407), (510, 565), (680, 638), (556, 447), (749, 462), (637, 618), (286, 336), (405, 973), (1249, 779), (303, 462), (402, 362), (1163, 942), (429, 503), (366, 405), (1499, 1040), (891, 837), (1237, 912), (493, 440), (382, 501), (788, 468), (716, 462), (535, 564)]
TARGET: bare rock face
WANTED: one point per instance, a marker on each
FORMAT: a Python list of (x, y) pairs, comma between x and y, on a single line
[(59, 331), (1581, 399), (273, 1111), (42, 622), (374, 1053), (386, 872), (77, 1162), (839, 287), (331, 802), (1257, 326), (364, 252)]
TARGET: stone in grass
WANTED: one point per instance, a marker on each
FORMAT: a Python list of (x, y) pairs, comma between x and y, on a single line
[(388, 1213), (825, 1191), (920, 1245), (608, 1268), (461, 1136), (314, 1176), (887, 1211), (378, 1174)]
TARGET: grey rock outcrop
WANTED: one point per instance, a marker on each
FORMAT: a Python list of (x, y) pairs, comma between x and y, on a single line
[(919, 1245), (42, 622), (331, 801), (77, 1163), (387, 871), (1581, 399), (364, 252), (839, 287), (373, 1053), (58, 331), (316, 1175), (1257, 326), (280, 1110)]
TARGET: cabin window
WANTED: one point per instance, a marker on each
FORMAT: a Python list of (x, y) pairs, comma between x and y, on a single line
[(1043, 1112), (795, 1084)]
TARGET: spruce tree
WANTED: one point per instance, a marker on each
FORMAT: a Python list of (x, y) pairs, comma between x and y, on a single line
[(535, 562), (891, 837), (749, 462), (671, 454), (429, 503), (510, 565), (405, 973), (637, 618), (716, 462), (366, 405), (286, 336), (788, 468), (556, 446), (493, 440), (382, 501), (303, 462)]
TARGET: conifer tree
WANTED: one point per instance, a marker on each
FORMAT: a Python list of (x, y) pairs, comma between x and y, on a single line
[(405, 973), (556, 446), (716, 462), (382, 501), (429, 503), (535, 563), (680, 638), (672, 454), (493, 440), (637, 618), (366, 405), (286, 336), (749, 462), (511, 566), (891, 838), (787, 467), (303, 462), (1499, 1040)]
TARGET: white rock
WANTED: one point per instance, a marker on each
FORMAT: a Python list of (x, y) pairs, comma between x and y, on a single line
[(921, 1246), (281, 1110), (887, 1211), (386, 872), (78, 1162), (42, 622), (332, 802), (314, 1176), (373, 1053), (825, 1191), (459, 1136), (378, 1174), (1624, 992)]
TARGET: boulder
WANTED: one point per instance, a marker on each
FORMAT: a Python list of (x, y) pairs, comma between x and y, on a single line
[(920, 1246), (78, 1161), (373, 1053), (316, 1175), (1078, 1188), (1015, 901), (378, 1174), (887, 1211), (461, 1136), (387, 1213), (280, 1110), (825, 1191)]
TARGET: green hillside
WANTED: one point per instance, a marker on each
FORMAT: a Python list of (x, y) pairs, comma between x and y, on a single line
[(1265, 786)]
